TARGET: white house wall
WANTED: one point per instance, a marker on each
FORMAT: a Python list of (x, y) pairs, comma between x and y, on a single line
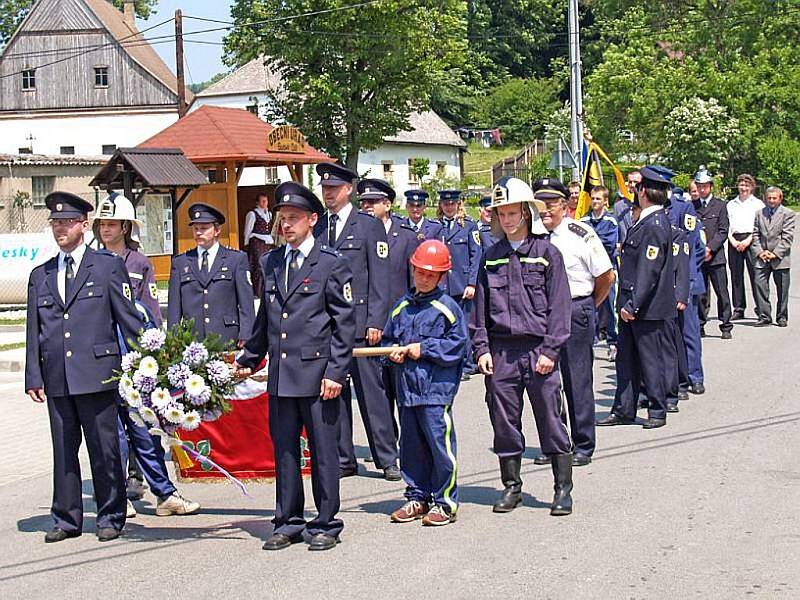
[(87, 133)]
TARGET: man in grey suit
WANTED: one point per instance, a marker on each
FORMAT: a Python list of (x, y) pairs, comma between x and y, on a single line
[(772, 248)]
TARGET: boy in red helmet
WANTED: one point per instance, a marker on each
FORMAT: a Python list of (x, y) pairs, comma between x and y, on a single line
[(430, 332)]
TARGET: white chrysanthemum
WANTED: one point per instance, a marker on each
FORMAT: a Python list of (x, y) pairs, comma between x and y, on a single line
[(125, 385), (174, 414), (134, 398), (148, 415), (195, 385), (129, 359), (161, 397), (191, 420), (148, 366)]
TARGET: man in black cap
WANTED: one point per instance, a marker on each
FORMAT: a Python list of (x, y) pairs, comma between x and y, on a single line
[(376, 197), (306, 324), (646, 300), (211, 283), (361, 240), (425, 228), (76, 302)]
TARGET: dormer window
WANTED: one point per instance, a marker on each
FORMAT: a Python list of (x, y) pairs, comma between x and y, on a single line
[(101, 77), (29, 80)]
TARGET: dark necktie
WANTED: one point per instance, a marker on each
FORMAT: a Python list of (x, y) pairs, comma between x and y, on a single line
[(204, 261), (449, 223), (291, 271), (332, 229), (69, 275)]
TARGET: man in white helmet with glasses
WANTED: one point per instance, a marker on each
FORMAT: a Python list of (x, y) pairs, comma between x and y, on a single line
[(520, 321)]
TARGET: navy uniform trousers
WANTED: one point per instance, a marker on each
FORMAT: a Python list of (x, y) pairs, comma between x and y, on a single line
[(640, 360), (717, 277), (577, 356), (96, 415), (138, 447), (689, 321), (321, 419), (675, 362), (515, 373)]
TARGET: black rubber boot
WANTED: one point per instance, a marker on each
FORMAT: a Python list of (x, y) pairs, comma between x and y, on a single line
[(512, 494), (562, 476)]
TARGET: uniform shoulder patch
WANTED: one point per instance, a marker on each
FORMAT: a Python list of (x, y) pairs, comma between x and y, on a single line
[(126, 291), (383, 249), (652, 252), (154, 290), (476, 235), (675, 249), (689, 222), (435, 221), (686, 247), (407, 226), (366, 214), (577, 230), (347, 291)]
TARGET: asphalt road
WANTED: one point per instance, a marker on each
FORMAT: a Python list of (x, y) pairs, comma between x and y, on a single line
[(705, 507)]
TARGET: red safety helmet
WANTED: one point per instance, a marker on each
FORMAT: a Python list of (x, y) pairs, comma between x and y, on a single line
[(432, 255)]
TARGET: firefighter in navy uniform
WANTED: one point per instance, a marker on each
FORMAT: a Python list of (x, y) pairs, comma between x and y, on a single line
[(77, 300), (425, 228), (306, 324), (211, 283), (645, 302), (521, 320), (485, 223), (361, 240)]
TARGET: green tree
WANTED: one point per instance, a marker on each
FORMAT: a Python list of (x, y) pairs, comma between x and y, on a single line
[(13, 11), (352, 77), (779, 155)]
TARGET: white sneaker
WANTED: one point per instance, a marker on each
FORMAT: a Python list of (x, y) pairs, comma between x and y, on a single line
[(130, 512), (176, 505)]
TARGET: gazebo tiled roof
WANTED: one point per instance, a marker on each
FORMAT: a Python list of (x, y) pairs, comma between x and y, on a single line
[(214, 134)]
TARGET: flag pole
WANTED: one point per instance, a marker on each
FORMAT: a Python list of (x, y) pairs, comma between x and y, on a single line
[(576, 88)]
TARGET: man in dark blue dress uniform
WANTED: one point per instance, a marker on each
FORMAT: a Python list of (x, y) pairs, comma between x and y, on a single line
[(361, 240), (425, 228), (485, 223), (306, 324), (645, 302), (211, 283), (76, 302)]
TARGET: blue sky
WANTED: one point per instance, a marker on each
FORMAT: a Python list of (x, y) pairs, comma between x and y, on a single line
[(202, 60)]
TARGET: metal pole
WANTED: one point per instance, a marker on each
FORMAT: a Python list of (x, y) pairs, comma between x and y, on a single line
[(560, 160), (576, 88)]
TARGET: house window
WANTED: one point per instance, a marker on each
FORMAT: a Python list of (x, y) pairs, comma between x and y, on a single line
[(67, 150), (27, 150), (440, 168), (109, 149), (271, 175), (417, 168), (388, 171), (40, 187), (29, 80), (101, 77)]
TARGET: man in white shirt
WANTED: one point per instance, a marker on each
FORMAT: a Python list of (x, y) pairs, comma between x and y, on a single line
[(257, 238), (742, 212)]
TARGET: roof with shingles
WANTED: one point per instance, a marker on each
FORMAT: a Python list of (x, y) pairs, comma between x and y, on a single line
[(155, 167)]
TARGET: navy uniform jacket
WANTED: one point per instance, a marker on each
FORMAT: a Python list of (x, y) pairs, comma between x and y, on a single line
[(72, 347), (431, 228), (522, 296), (607, 229), (624, 216), (485, 232), (681, 256), (402, 243), (464, 243), (682, 214), (364, 246), (715, 223), (143, 282), (309, 330), (220, 302), (647, 272), (436, 322)]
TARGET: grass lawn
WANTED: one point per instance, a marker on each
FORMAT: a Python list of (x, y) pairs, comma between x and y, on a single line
[(19, 321), (478, 161), (14, 346)]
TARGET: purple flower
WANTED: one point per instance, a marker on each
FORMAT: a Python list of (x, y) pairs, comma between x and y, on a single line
[(212, 414), (143, 383), (129, 359), (218, 372), (195, 354), (153, 339), (203, 397), (178, 374)]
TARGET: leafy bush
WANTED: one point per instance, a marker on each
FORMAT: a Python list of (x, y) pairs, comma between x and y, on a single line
[(779, 156)]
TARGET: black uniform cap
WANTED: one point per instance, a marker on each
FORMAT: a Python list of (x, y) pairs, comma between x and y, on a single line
[(291, 193), (333, 174), (549, 188), (375, 189), (416, 196), (203, 213), (64, 205)]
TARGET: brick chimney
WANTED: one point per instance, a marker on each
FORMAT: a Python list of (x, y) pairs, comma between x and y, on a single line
[(130, 14)]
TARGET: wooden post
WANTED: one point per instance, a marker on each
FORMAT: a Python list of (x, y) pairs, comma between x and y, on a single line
[(231, 193), (179, 64)]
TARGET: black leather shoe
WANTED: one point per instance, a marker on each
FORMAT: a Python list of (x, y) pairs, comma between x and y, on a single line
[(672, 408), (762, 323), (323, 541), (392, 473), (106, 534), (59, 535), (727, 335), (702, 332), (737, 315), (683, 395), (697, 388), (614, 419), (654, 423), (279, 541), (542, 459), (465, 376), (580, 460), (782, 323), (135, 488), (347, 472)]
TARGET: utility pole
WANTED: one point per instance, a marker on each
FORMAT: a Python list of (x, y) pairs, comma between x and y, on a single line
[(575, 89), (179, 64)]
